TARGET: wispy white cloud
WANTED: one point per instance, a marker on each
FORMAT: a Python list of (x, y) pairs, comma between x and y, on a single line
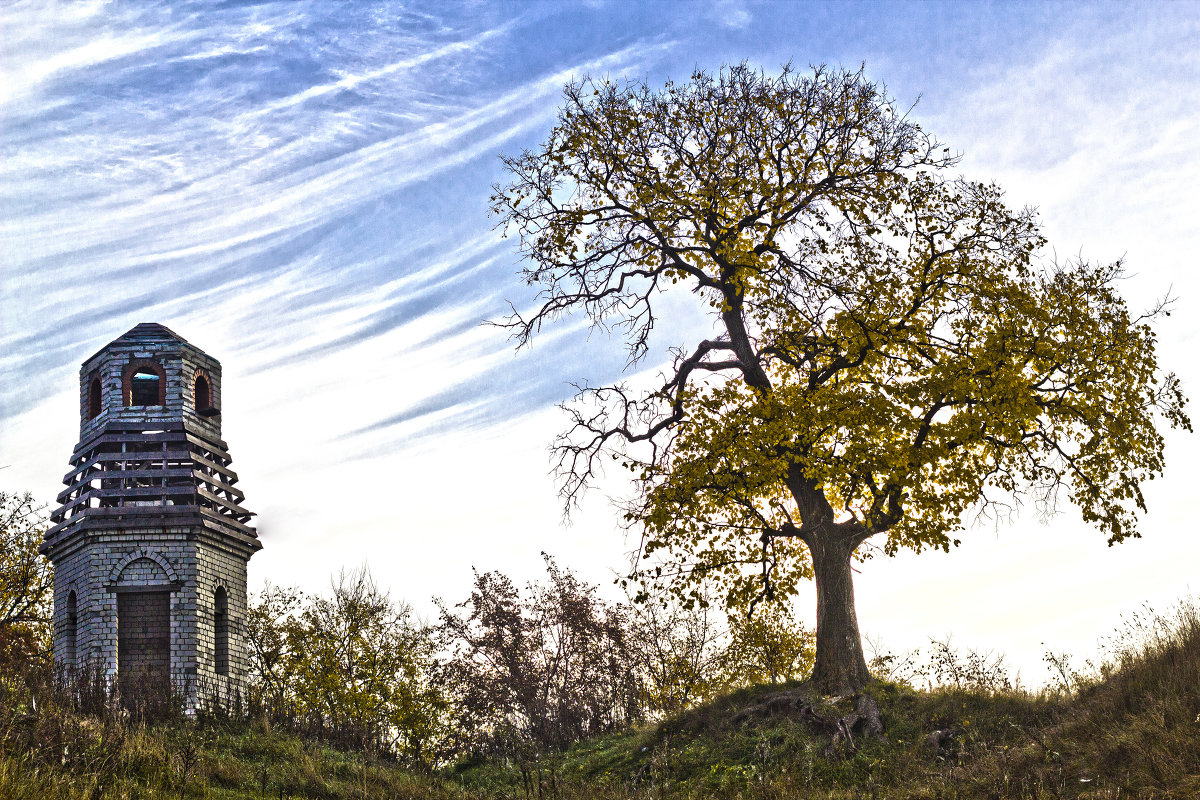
[(353, 81), (300, 189), (253, 198), (34, 54), (733, 14)]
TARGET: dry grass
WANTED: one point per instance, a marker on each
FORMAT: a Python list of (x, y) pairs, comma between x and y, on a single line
[(1129, 728)]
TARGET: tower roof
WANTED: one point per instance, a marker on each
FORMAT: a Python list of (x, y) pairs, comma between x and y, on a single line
[(143, 332), (149, 330)]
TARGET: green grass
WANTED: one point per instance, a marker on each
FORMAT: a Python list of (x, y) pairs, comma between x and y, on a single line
[(197, 760), (1131, 729)]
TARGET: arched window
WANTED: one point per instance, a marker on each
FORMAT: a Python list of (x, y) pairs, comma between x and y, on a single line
[(94, 398), (221, 631), (203, 393), (145, 383), (70, 632)]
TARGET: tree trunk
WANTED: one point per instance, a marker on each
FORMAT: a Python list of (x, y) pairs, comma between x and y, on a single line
[(840, 668)]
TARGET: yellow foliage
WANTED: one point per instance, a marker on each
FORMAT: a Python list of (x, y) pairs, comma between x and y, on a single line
[(889, 349)]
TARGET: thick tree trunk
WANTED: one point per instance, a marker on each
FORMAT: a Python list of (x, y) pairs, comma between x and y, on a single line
[(840, 667)]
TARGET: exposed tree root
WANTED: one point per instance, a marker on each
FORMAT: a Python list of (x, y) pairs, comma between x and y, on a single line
[(842, 730)]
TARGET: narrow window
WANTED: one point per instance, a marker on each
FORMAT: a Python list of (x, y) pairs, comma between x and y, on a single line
[(70, 632), (94, 398), (143, 389), (203, 394), (221, 630)]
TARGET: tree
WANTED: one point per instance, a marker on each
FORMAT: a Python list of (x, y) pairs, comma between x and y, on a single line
[(766, 647), (26, 580), (886, 349), (677, 653), (269, 617), (532, 672), (352, 667)]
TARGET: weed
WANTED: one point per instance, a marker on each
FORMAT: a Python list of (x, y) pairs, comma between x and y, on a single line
[(1127, 728)]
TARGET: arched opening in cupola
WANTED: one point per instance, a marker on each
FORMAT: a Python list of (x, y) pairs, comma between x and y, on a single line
[(203, 392), (144, 388), (94, 398), (145, 383)]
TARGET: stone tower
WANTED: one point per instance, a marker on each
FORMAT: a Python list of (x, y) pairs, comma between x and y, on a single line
[(150, 542)]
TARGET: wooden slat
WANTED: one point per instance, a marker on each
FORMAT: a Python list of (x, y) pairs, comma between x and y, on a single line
[(116, 425), (120, 494), (126, 438), (133, 425), (158, 472), (54, 529), (220, 452), (223, 502), (70, 476), (124, 519), (59, 512), (142, 511), (100, 456), (179, 455), (92, 520), (207, 478), (147, 491), (226, 471), (174, 472), (213, 515), (171, 511), (130, 516), (219, 491), (65, 495)]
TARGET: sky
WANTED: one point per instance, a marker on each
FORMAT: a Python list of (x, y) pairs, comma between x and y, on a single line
[(300, 189)]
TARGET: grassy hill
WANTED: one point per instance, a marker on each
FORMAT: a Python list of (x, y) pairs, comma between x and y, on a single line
[(1132, 730)]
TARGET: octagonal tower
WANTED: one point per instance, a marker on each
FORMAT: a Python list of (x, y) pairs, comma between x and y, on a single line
[(151, 541)]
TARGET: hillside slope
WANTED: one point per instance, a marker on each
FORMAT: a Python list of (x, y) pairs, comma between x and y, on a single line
[(1130, 730)]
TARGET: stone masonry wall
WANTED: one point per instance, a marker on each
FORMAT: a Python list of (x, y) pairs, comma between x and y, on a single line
[(179, 362), (107, 562), (221, 566)]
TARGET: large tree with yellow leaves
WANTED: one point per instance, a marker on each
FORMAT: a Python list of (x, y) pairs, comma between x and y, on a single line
[(887, 350)]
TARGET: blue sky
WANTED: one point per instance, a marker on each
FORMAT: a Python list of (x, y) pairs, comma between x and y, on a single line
[(300, 188)]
